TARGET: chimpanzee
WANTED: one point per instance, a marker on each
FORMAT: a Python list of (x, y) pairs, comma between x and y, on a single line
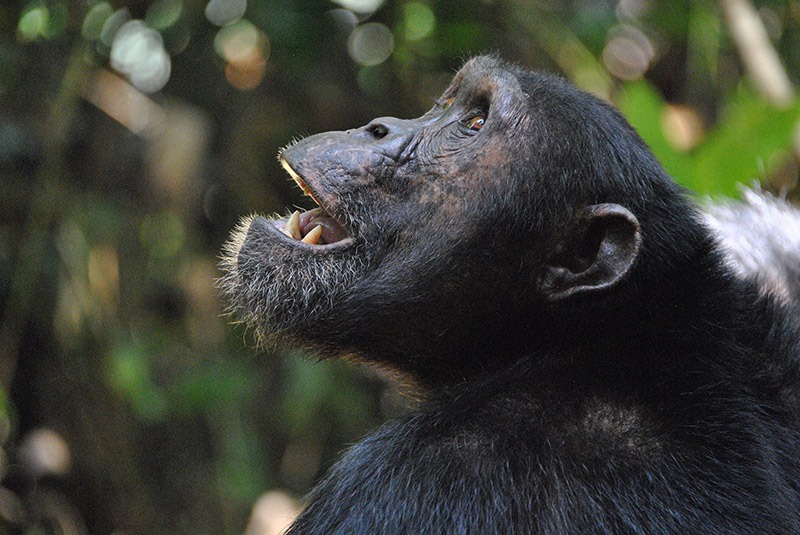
[(585, 359)]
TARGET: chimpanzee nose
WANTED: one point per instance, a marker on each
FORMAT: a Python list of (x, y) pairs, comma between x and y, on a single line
[(377, 130), (389, 135), (382, 128)]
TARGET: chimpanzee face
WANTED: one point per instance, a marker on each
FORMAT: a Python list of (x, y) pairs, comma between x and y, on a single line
[(382, 190), (423, 227)]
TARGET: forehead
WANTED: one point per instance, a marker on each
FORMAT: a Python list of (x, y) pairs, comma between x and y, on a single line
[(486, 75)]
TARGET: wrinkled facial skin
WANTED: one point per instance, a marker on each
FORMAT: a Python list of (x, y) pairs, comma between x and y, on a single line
[(433, 230)]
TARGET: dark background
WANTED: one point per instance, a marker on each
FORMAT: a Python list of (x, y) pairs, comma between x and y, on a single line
[(133, 135)]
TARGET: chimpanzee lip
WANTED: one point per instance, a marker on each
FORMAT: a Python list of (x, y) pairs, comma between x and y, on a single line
[(316, 228)]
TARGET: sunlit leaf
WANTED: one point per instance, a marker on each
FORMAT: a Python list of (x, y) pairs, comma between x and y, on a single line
[(738, 150)]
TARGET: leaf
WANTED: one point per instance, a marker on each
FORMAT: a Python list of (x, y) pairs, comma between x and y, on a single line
[(740, 148)]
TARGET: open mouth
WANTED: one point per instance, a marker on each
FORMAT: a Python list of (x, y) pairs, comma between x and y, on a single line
[(313, 227)]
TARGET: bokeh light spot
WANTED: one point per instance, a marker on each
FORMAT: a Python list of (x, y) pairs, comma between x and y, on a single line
[(633, 9), (682, 127), (344, 19), (224, 12), (95, 19), (42, 21), (45, 452), (628, 53), (138, 52), (163, 14), (33, 23), (245, 50), (370, 44), (112, 25), (360, 6), (419, 21), (234, 42)]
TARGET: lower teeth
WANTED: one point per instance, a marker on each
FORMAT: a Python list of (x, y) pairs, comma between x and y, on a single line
[(313, 236)]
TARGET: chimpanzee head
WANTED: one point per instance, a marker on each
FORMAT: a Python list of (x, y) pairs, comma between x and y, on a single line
[(445, 244)]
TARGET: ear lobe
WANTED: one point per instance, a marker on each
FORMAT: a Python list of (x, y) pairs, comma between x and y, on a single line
[(596, 254)]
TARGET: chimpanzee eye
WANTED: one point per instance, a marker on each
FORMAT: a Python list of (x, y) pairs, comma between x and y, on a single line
[(476, 123)]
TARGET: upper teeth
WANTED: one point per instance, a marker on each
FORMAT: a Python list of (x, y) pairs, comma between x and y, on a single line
[(292, 228)]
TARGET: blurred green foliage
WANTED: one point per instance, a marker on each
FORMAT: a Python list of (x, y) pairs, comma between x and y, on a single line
[(135, 133), (738, 150)]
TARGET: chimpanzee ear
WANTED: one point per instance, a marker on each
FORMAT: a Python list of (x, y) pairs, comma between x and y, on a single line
[(596, 254)]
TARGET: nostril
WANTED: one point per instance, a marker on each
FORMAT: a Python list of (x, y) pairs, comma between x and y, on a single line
[(378, 130)]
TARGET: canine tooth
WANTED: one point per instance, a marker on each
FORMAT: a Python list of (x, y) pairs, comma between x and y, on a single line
[(293, 226), (313, 237)]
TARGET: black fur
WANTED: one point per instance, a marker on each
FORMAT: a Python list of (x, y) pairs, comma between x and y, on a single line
[(586, 360)]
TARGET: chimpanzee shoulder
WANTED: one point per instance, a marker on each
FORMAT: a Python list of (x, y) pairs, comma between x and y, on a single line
[(498, 456)]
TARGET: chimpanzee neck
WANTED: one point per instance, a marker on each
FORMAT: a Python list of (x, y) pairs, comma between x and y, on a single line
[(683, 319), (700, 329)]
